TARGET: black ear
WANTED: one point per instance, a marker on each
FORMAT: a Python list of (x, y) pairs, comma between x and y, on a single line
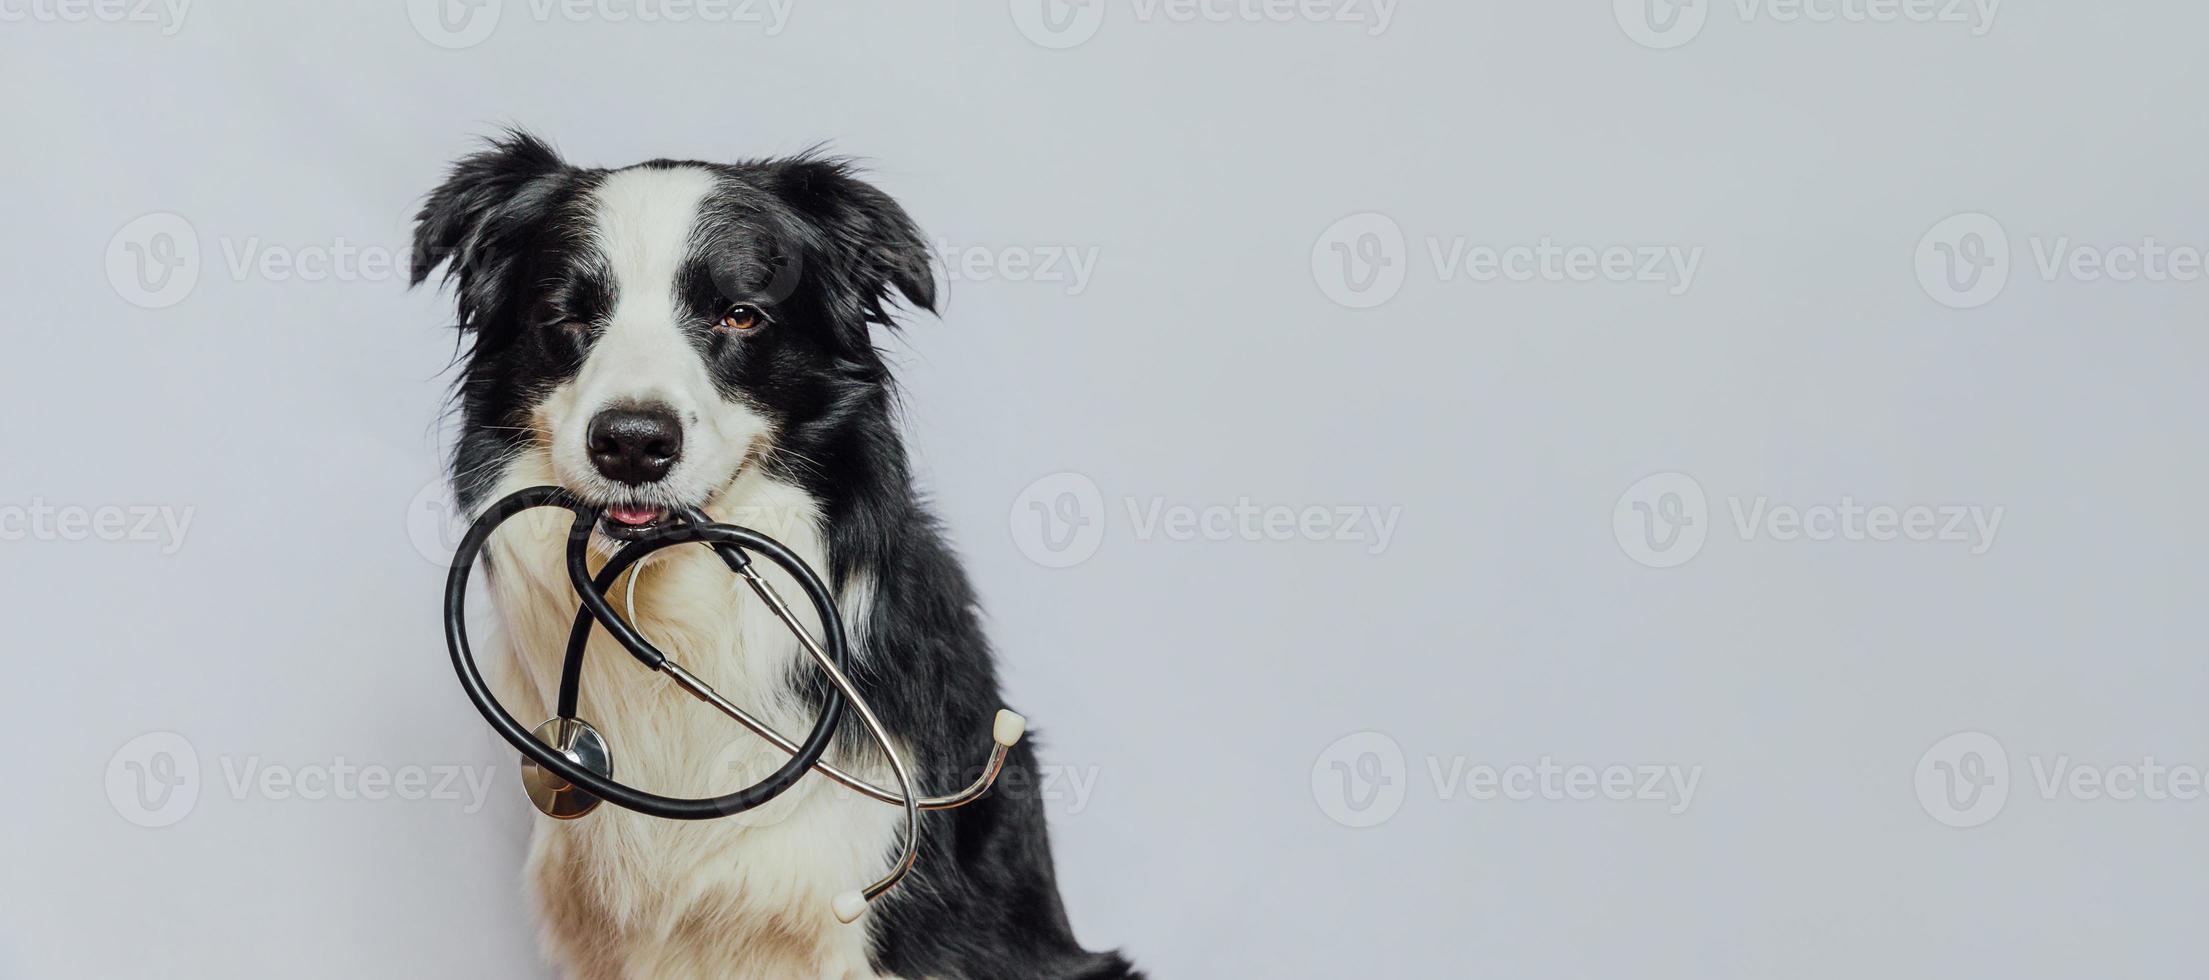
[(864, 245), (480, 221)]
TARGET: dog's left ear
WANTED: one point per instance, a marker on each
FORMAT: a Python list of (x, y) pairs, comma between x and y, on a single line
[(865, 246)]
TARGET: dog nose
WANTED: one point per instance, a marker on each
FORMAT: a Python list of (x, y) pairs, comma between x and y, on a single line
[(635, 445)]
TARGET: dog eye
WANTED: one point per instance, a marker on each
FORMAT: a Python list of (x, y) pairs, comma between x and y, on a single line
[(742, 318), (571, 331)]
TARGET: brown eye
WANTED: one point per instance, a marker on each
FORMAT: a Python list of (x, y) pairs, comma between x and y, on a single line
[(742, 318)]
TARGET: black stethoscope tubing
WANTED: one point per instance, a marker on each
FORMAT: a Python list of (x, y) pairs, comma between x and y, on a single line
[(730, 542)]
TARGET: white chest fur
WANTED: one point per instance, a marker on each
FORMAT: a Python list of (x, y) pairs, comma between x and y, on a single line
[(626, 895)]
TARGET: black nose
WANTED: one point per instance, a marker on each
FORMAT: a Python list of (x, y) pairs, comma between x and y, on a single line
[(635, 445)]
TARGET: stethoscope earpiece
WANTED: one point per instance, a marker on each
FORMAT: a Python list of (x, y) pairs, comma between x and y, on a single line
[(567, 767)]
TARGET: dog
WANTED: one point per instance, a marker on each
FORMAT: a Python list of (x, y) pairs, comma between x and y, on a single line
[(681, 334)]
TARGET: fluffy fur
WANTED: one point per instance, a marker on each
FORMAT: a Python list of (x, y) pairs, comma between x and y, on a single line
[(588, 289)]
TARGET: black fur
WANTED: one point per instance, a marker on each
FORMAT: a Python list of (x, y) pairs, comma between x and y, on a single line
[(826, 255)]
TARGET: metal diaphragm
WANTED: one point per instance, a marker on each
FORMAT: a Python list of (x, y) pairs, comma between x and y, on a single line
[(584, 746)]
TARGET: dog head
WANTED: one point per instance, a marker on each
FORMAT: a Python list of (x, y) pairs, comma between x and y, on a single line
[(648, 333)]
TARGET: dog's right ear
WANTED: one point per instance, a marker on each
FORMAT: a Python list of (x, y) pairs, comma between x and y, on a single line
[(480, 221)]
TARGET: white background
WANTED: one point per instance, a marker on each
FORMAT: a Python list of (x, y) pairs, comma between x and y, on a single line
[(1219, 351)]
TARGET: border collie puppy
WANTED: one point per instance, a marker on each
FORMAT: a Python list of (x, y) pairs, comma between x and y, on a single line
[(677, 334)]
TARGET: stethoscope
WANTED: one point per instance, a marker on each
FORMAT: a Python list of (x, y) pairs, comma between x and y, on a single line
[(567, 767)]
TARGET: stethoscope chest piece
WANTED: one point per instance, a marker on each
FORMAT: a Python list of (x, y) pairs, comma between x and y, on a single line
[(584, 746)]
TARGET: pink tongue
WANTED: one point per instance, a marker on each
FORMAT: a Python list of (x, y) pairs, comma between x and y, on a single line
[(633, 516)]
